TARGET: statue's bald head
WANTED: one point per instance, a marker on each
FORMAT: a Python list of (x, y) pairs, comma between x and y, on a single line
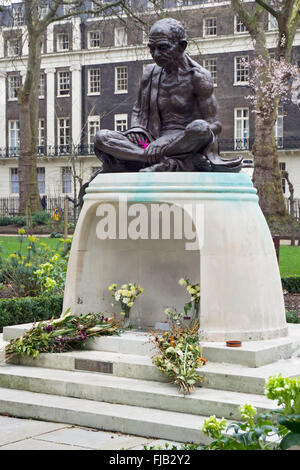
[(168, 27)]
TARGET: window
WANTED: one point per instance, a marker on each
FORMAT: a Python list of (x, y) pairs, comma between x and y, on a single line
[(62, 42), (210, 26), (93, 127), (241, 70), (121, 122), (14, 137), (14, 83), (41, 180), (239, 26), (121, 80), (14, 181), (211, 66), (120, 37), (241, 128), (42, 86), (282, 168), (43, 10), (17, 16), (278, 128), (94, 39), (94, 83), (66, 173), (14, 47), (64, 135), (41, 136), (63, 87), (272, 22)]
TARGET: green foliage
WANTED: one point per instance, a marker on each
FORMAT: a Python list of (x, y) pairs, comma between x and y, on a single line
[(64, 334), (292, 316), (180, 356), (291, 284), (29, 309), (40, 270), (40, 218), (5, 221), (19, 220)]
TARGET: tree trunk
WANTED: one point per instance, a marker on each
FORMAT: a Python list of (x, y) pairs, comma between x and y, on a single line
[(28, 113), (267, 176)]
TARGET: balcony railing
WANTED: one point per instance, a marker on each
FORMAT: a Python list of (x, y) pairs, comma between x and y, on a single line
[(226, 145)]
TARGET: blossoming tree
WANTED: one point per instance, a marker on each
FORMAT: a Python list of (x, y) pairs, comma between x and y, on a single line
[(270, 83)]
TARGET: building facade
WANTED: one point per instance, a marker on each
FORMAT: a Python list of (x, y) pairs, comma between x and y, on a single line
[(90, 73)]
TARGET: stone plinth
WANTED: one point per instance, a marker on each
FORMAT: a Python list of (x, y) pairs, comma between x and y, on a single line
[(216, 233)]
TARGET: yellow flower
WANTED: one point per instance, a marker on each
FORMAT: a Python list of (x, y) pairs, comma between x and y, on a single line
[(32, 239), (112, 287), (28, 265), (167, 310), (13, 255), (123, 313), (141, 289), (130, 304), (182, 282), (124, 286), (29, 247), (21, 231)]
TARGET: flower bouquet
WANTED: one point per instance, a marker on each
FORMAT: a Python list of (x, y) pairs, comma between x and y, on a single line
[(126, 297), (61, 335)]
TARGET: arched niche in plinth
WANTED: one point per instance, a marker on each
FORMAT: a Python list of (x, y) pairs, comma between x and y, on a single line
[(233, 257)]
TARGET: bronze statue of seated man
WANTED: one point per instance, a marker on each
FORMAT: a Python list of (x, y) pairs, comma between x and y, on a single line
[(174, 123)]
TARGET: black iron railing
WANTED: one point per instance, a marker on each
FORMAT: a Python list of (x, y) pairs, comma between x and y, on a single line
[(229, 145)]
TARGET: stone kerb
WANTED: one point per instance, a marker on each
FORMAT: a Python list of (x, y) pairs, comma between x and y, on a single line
[(225, 243)]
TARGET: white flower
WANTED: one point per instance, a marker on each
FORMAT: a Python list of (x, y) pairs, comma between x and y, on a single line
[(117, 297)]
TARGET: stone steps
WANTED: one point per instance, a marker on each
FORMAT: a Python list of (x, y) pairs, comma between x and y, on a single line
[(113, 385), (126, 391), (251, 354), (139, 421), (221, 376)]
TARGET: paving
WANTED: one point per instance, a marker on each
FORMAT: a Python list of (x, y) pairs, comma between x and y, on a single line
[(28, 434)]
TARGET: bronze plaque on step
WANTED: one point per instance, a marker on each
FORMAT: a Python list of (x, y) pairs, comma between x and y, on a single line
[(94, 366)]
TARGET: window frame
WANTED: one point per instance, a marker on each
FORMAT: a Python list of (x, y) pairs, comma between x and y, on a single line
[(13, 171), (60, 84), (244, 145), (89, 39), (118, 40), (89, 77), (121, 91), (214, 74), (236, 82), (121, 117), (16, 129), (60, 45), (206, 27), (66, 170), (67, 137)]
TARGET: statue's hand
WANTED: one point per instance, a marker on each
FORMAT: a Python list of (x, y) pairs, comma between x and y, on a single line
[(154, 152)]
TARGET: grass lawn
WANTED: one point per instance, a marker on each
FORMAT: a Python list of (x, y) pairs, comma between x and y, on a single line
[(289, 256), (289, 260), (12, 244)]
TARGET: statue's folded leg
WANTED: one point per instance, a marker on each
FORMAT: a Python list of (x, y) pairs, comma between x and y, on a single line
[(117, 153)]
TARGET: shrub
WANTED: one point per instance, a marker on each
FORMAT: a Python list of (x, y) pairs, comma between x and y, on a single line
[(292, 316), (19, 220), (41, 270), (291, 284), (29, 309), (5, 220), (40, 218)]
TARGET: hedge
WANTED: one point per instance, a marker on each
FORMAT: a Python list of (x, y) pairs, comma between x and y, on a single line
[(291, 284), (29, 309)]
